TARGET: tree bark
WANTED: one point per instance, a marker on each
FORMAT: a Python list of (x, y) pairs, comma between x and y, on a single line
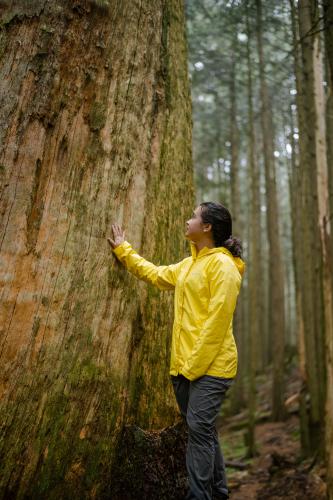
[(328, 32), (325, 195), (276, 286), (254, 255), (94, 128), (297, 196), (312, 272), (237, 395)]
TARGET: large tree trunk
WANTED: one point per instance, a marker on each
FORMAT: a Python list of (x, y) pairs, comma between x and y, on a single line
[(276, 285), (94, 128)]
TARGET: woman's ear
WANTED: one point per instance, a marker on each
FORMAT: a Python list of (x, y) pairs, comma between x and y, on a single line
[(207, 228)]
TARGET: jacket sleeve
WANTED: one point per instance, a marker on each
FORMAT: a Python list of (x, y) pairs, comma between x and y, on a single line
[(164, 277), (224, 286)]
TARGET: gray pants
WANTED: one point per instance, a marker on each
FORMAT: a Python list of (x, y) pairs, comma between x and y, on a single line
[(199, 403)]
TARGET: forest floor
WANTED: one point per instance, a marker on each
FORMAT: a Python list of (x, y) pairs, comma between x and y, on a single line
[(278, 470)]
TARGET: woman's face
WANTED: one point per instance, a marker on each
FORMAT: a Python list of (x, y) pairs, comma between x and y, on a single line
[(195, 228)]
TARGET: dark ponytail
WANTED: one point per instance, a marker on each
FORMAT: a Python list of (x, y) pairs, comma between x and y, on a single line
[(219, 217), (234, 245)]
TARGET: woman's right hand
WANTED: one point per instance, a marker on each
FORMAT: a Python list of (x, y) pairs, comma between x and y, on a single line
[(118, 236)]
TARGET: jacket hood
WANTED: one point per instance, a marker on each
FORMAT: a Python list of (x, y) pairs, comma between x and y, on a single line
[(240, 264)]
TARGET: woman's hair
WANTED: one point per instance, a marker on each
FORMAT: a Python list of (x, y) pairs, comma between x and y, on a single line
[(220, 219)]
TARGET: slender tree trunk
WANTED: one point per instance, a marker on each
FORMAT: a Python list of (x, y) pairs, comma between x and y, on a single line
[(328, 32), (265, 295), (312, 282), (276, 286), (94, 128), (234, 141), (296, 217), (328, 24), (254, 254), (238, 324), (325, 225), (298, 230)]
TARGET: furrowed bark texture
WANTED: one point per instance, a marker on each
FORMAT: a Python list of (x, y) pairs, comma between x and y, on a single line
[(94, 128)]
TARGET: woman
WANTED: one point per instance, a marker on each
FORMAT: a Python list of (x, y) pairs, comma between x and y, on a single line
[(203, 350)]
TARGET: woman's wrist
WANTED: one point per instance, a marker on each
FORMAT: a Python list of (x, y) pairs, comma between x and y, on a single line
[(118, 236), (116, 244)]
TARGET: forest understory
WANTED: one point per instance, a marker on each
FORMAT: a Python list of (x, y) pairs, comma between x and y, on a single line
[(278, 470)]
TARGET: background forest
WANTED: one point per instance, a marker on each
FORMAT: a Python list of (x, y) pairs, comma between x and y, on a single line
[(261, 75)]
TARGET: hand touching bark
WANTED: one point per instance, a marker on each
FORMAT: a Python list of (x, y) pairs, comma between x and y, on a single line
[(118, 236)]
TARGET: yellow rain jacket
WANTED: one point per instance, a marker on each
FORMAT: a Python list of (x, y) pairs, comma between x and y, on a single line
[(206, 288)]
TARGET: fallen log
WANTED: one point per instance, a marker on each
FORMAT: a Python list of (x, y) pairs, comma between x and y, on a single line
[(236, 465)]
